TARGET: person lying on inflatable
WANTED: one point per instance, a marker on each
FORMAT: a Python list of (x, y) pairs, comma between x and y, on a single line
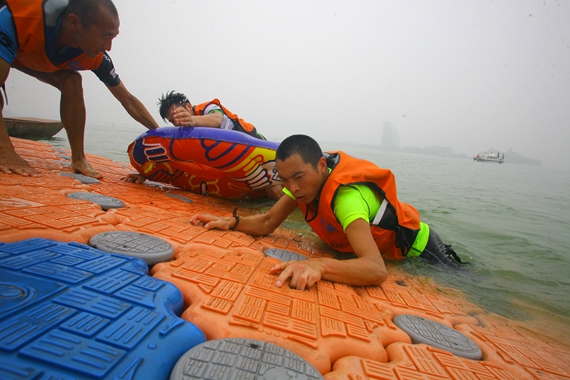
[(177, 109), (352, 205)]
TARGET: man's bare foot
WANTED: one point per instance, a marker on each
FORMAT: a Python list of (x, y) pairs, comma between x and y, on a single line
[(11, 162), (135, 178), (83, 167)]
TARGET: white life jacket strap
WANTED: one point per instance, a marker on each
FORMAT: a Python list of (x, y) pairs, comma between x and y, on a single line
[(380, 212)]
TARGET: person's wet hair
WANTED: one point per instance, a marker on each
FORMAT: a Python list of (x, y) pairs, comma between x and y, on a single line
[(306, 146), (171, 98), (88, 11)]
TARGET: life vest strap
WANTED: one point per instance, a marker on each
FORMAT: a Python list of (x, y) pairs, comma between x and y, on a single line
[(386, 219), (380, 212)]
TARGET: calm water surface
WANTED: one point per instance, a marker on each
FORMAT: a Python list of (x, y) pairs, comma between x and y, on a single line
[(510, 221)]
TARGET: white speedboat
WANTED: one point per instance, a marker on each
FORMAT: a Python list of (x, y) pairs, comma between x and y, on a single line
[(496, 157)]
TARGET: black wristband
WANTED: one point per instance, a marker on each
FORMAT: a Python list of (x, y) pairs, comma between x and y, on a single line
[(236, 218)]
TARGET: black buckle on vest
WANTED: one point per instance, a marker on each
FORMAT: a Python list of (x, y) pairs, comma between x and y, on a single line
[(332, 159)]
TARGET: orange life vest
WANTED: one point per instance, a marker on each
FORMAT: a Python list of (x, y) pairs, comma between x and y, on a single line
[(239, 124), (395, 227), (30, 20)]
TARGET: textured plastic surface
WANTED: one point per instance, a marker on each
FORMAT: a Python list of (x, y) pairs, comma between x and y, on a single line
[(68, 311), (81, 178), (102, 200), (283, 254), (149, 248), (236, 358), (232, 294), (423, 330)]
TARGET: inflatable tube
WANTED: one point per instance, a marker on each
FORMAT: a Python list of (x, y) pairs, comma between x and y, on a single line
[(207, 161)]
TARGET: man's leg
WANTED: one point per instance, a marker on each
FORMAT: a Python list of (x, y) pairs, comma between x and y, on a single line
[(72, 113), (10, 161), (438, 253)]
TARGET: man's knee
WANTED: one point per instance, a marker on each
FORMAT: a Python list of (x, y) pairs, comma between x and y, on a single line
[(70, 82), (66, 81)]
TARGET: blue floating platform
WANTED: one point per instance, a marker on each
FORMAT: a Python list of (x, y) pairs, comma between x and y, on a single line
[(69, 311)]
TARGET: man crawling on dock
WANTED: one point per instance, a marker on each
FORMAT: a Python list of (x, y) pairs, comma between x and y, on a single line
[(50, 41), (352, 205)]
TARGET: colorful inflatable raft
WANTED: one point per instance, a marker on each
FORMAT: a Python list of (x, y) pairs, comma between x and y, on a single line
[(79, 321), (213, 161)]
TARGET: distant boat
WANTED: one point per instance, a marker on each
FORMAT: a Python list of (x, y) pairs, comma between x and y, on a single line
[(495, 157), (32, 128)]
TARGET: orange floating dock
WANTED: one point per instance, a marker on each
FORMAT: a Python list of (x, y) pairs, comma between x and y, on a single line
[(345, 332)]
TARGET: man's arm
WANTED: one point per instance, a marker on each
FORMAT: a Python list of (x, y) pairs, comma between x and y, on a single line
[(10, 161), (181, 117), (260, 224), (133, 106), (367, 269)]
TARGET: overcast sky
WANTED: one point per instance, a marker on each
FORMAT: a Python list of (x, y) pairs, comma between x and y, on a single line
[(465, 74)]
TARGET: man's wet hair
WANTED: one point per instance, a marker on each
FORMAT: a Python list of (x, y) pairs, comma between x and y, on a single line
[(88, 11), (306, 146), (171, 98)]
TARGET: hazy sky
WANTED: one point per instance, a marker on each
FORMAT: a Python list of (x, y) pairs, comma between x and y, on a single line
[(466, 74)]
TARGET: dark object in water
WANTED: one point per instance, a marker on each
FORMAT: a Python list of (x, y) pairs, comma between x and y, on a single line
[(32, 128)]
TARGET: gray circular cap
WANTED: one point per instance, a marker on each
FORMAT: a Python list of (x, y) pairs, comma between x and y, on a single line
[(283, 254), (102, 200), (238, 358), (149, 248), (423, 330), (81, 178), (181, 197)]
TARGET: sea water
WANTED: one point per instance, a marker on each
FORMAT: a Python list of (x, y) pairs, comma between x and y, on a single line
[(509, 221)]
